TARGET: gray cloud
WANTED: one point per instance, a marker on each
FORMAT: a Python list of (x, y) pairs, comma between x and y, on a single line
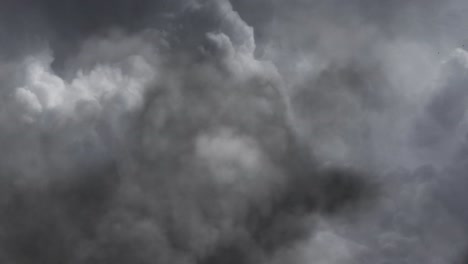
[(232, 132)]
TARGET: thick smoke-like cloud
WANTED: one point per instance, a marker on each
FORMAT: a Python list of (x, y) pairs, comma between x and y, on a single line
[(232, 132)]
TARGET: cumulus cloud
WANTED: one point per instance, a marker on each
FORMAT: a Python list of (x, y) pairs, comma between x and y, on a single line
[(232, 132)]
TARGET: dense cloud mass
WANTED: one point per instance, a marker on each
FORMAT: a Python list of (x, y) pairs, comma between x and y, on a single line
[(242, 131)]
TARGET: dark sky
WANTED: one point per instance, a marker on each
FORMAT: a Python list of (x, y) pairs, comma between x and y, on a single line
[(204, 132)]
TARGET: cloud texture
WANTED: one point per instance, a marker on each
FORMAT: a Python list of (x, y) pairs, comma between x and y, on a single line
[(203, 131)]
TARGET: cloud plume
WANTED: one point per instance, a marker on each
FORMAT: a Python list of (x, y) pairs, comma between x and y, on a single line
[(204, 131)]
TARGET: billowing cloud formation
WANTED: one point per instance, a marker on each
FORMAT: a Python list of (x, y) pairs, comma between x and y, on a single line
[(245, 132)]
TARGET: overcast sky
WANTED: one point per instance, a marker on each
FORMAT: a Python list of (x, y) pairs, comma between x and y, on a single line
[(242, 131)]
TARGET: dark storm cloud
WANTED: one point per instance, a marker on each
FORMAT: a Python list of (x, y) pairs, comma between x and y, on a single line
[(165, 141), (216, 132)]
